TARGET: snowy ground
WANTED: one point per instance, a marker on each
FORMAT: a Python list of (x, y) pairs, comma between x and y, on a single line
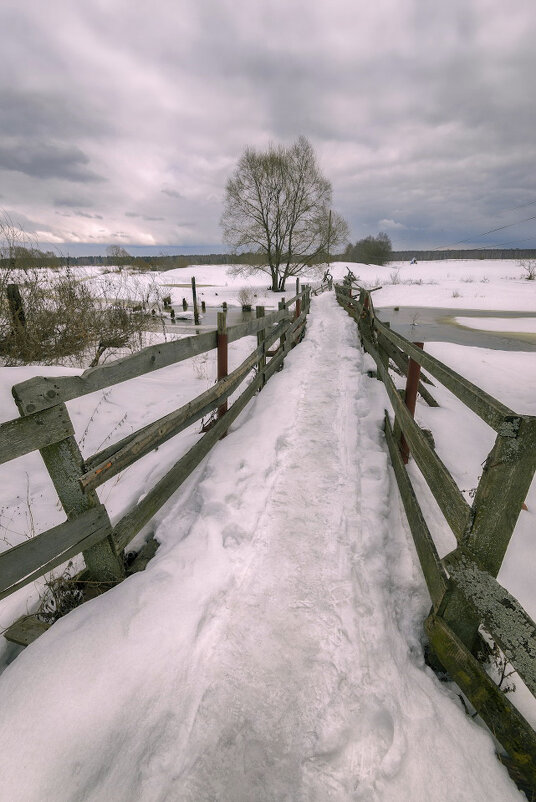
[(272, 650), (521, 324)]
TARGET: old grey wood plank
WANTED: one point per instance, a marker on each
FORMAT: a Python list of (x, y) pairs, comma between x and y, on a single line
[(38, 555), (293, 300), (43, 392), (26, 630), (504, 720), (22, 435), (484, 405), (502, 489), (153, 435), (502, 615), (108, 453), (64, 462), (136, 518), (255, 325), (447, 494), (401, 361), (433, 570), (261, 337)]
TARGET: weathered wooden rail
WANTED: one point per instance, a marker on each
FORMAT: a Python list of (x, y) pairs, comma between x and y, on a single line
[(45, 425), (462, 586)]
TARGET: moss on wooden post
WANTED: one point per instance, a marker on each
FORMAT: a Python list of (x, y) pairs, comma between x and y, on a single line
[(504, 485), (64, 463), (223, 357), (194, 297)]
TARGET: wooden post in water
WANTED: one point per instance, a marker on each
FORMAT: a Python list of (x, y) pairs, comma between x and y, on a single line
[(412, 385), (261, 364), (298, 300), (203, 306), (223, 362), (196, 310), (184, 304)]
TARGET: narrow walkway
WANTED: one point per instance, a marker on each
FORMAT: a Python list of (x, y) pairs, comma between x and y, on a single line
[(271, 651), (311, 691)]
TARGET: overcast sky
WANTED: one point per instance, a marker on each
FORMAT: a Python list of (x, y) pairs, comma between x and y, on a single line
[(120, 122)]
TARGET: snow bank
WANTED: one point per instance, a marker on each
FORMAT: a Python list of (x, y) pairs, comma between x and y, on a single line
[(271, 650)]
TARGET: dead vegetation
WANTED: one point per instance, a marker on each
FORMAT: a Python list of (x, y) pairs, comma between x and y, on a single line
[(49, 314)]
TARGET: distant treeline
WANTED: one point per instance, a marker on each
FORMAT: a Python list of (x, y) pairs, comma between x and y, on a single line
[(49, 259), (174, 262), (473, 253), (34, 258)]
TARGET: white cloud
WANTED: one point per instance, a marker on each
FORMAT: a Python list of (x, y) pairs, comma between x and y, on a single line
[(419, 113), (391, 224)]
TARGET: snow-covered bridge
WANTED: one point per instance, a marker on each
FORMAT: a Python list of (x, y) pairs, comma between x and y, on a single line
[(273, 647)]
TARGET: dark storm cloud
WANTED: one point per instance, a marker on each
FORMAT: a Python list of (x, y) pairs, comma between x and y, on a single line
[(172, 193), (47, 114), (47, 160), (420, 114), (72, 202), (89, 216)]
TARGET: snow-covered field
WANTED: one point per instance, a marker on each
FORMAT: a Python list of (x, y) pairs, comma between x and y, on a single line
[(272, 650)]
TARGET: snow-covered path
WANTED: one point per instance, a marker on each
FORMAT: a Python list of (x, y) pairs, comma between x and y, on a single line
[(271, 649)]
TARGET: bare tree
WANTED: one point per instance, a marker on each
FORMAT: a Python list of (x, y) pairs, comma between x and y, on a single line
[(277, 204), (118, 256)]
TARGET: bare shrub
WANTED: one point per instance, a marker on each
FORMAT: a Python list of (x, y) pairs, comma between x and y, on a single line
[(68, 318), (200, 367), (61, 595), (529, 266), (246, 296), (56, 315)]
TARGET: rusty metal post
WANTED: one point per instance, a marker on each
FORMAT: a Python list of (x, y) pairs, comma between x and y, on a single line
[(196, 310), (410, 399), (261, 335), (281, 306), (298, 300), (223, 362)]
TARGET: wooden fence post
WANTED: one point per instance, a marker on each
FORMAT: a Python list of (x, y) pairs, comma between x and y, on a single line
[(383, 354), (298, 300), (16, 307), (64, 462), (196, 310), (505, 482), (223, 359), (412, 385), (261, 336), (282, 306)]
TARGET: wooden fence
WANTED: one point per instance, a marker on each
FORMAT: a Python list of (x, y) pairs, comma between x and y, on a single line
[(464, 591), (45, 425)]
